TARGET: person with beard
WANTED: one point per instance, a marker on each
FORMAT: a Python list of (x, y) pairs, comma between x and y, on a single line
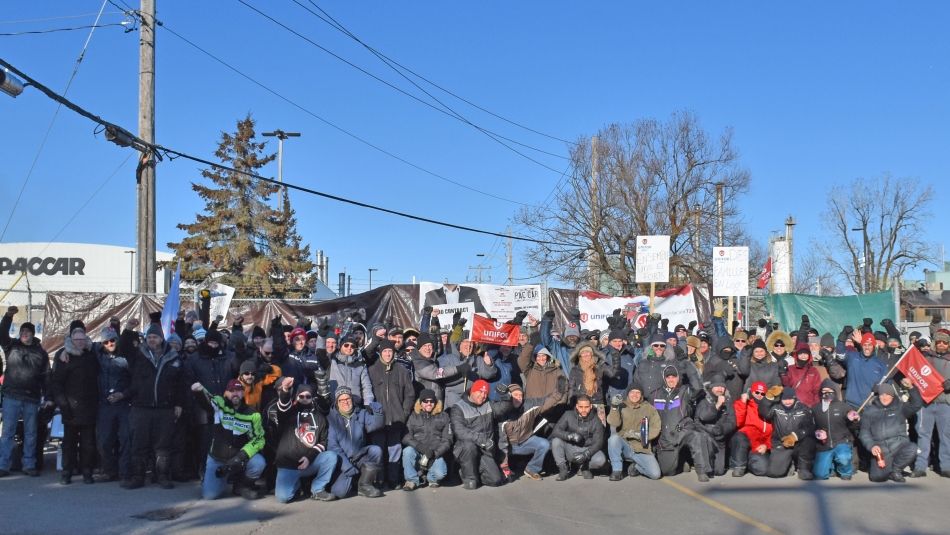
[(74, 386), (884, 432), (650, 370), (303, 439), (238, 438), (578, 439), (473, 424), (516, 430), (716, 413), (673, 402), (793, 433), (481, 366), (835, 426), (430, 373), (158, 391), (752, 441), (393, 388), (758, 365), (210, 367), (634, 425), (112, 421), (936, 414), (617, 348), (561, 348), (590, 374), (428, 439), (348, 370), (803, 378), (350, 429)]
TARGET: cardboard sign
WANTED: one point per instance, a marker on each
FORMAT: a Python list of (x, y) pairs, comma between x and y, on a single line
[(730, 271), (653, 259)]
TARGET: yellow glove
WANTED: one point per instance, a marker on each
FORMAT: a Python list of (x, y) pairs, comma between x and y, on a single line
[(789, 440), (719, 308), (773, 392)]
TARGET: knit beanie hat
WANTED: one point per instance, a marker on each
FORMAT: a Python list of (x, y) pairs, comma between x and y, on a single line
[(155, 329), (572, 330), (788, 393), (234, 385), (28, 326), (258, 332), (480, 385), (248, 366), (827, 340), (108, 333)]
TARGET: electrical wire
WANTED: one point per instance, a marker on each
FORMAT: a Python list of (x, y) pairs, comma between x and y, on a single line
[(39, 150), (91, 26), (63, 17), (385, 82), (154, 149), (337, 25)]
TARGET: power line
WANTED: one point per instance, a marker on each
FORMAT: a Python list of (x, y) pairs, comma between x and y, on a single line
[(337, 25), (333, 125), (385, 82), (155, 149), (63, 17), (39, 150), (391, 64), (91, 26)]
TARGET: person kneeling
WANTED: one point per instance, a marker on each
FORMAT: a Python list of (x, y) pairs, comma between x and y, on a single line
[(884, 432), (350, 428), (237, 439), (428, 439), (637, 424), (578, 438)]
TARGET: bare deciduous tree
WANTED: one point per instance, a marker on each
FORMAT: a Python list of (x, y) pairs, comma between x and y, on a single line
[(648, 177), (813, 273), (888, 214)]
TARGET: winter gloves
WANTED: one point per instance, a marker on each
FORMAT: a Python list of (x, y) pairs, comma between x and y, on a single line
[(789, 440), (575, 438), (773, 392)]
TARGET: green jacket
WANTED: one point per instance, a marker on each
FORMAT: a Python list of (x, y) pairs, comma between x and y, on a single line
[(626, 421), (235, 430)]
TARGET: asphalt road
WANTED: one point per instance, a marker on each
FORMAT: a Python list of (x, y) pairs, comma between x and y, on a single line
[(677, 505)]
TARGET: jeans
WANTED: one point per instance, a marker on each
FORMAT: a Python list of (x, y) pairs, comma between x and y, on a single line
[(114, 439), (619, 450), (935, 414), (213, 487), (838, 458), (288, 479), (13, 410), (537, 448), (436, 472)]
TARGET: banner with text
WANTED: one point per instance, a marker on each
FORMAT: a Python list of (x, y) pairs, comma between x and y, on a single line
[(498, 301), (916, 368), (445, 313), (677, 304), (489, 331), (730, 271), (653, 259)]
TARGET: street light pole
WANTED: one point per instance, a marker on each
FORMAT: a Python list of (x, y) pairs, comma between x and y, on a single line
[(281, 136), (371, 270), (131, 270)]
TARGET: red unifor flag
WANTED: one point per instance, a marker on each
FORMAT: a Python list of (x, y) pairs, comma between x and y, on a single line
[(489, 331), (766, 274), (915, 367)]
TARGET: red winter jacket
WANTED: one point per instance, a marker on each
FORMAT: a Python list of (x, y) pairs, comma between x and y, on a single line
[(806, 381), (757, 430)]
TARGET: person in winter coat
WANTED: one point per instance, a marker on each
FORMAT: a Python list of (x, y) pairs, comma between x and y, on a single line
[(636, 425), (617, 346), (392, 386), (74, 386), (350, 429), (429, 373), (24, 384), (214, 370), (260, 378), (803, 377), (238, 438), (158, 390), (302, 447), (428, 438), (542, 378), (590, 373), (884, 432), (480, 366), (716, 413), (863, 368), (778, 344), (348, 369), (657, 358), (578, 439), (936, 414), (835, 426), (673, 402), (516, 430), (112, 418), (473, 424), (560, 348), (722, 362), (752, 441), (758, 365), (793, 433)]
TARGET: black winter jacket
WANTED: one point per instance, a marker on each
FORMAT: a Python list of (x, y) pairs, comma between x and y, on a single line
[(392, 387), (429, 432), (798, 419), (157, 381), (26, 367), (719, 423), (74, 385), (113, 375), (887, 426), (302, 431), (589, 428)]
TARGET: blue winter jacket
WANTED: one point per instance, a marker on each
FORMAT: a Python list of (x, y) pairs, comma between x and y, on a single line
[(349, 436)]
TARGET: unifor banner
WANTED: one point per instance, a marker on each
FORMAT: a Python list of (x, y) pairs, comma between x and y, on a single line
[(495, 332), (916, 368), (497, 301), (681, 304)]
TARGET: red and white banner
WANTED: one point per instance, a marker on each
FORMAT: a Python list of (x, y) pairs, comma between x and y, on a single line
[(915, 367), (765, 275), (489, 331), (677, 304)]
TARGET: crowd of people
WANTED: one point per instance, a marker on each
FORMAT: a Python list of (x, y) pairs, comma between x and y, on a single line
[(321, 411)]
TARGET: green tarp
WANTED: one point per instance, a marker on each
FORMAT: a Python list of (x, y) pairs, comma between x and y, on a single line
[(831, 314)]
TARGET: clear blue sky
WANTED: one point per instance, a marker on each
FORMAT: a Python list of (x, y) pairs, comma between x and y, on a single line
[(817, 92)]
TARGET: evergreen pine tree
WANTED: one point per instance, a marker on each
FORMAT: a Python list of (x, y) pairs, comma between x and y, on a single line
[(240, 240)]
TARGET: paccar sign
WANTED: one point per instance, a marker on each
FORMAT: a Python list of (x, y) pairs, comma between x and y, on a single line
[(42, 266)]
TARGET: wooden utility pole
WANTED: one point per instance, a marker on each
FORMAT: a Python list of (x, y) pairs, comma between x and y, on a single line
[(145, 239)]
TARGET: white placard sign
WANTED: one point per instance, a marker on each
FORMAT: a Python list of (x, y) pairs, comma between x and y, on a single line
[(653, 259), (730, 271), (445, 313), (221, 295)]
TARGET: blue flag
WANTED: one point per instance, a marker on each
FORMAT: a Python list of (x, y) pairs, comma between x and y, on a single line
[(172, 304)]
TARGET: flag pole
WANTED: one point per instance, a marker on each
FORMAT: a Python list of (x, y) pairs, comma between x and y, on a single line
[(886, 376)]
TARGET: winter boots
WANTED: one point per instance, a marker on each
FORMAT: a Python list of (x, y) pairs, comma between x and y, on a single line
[(562, 472), (366, 486)]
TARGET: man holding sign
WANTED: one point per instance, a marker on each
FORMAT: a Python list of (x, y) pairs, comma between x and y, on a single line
[(934, 371)]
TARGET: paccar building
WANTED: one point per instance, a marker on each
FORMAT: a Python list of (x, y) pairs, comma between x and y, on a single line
[(29, 270)]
